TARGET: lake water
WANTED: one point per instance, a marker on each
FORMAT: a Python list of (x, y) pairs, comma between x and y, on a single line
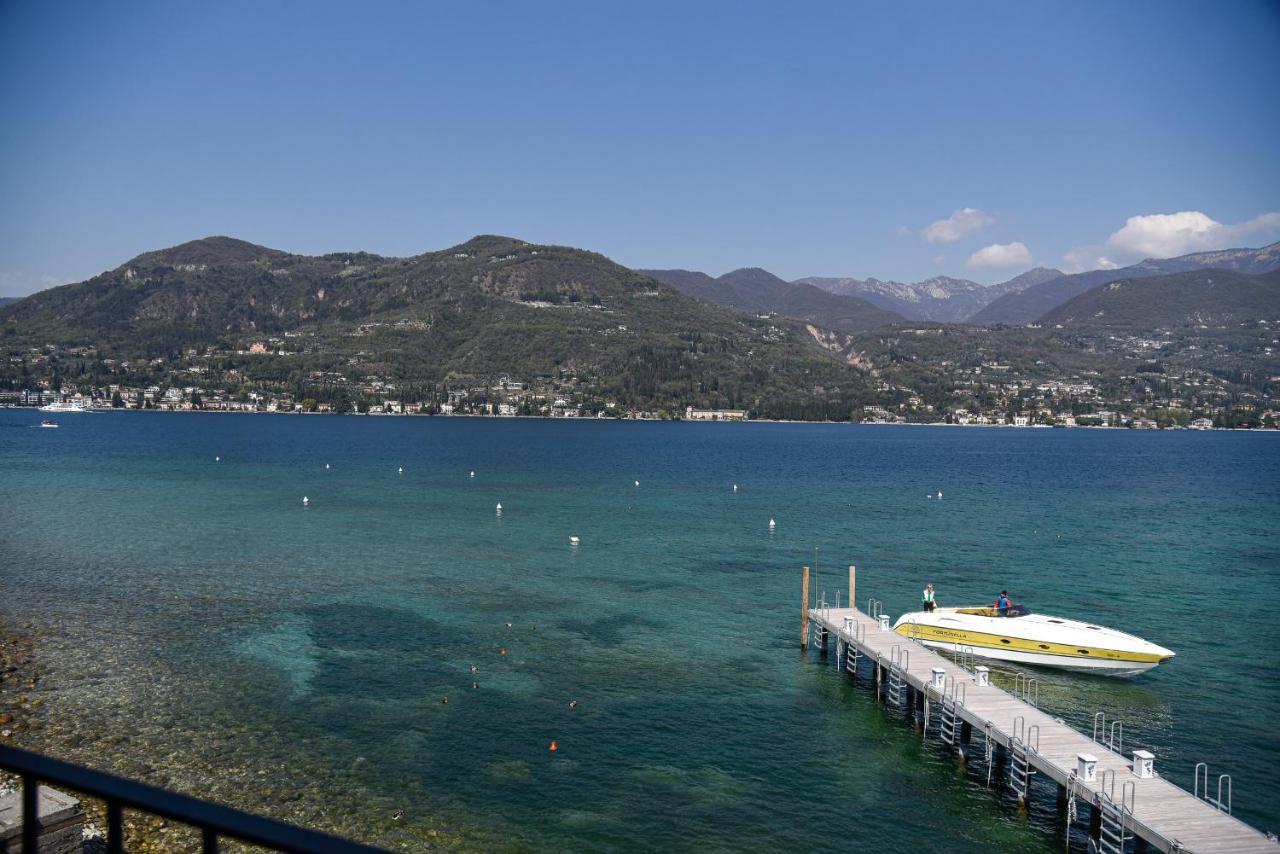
[(206, 631)]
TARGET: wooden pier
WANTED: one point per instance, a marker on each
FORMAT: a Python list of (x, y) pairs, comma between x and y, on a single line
[(1126, 811)]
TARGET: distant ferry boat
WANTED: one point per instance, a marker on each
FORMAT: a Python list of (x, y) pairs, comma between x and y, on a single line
[(76, 405), (48, 423)]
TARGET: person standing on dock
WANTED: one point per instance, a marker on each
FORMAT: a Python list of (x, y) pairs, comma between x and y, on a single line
[(926, 598)]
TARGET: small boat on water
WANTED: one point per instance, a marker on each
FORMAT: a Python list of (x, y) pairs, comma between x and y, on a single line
[(1025, 638), (48, 423)]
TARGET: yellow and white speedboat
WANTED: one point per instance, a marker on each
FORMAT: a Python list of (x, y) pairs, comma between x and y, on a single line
[(1028, 638)]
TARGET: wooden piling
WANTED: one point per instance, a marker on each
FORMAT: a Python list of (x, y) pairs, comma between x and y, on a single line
[(853, 577), (804, 610)]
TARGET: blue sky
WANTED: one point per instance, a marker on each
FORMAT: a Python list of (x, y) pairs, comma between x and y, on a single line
[(810, 139)]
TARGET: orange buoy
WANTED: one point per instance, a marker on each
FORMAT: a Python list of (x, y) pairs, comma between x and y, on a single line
[(554, 747), (504, 650)]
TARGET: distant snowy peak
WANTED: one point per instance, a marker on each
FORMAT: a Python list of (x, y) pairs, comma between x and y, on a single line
[(940, 298)]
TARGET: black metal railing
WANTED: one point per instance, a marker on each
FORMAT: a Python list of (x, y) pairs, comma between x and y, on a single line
[(213, 821)]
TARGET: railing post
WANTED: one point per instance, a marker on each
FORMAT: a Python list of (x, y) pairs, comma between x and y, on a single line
[(115, 828), (30, 814)]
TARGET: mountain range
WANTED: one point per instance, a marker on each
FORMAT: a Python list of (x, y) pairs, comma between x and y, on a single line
[(755, 290), (1032, 303), (241, 317), (941, 298)]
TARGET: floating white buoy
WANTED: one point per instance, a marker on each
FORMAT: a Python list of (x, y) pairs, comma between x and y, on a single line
[(400, 470), (499, 507), (735, 487), (573, 541), (772, 524), (326, 466), (637, 483), (939, 494), (305, 501), (217, 459), (473, 474)]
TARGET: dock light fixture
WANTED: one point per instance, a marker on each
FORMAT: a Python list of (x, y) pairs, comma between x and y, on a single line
[(983, 674), (1086, 767)]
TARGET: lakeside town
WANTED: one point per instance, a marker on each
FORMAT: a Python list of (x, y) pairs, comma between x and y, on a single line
[(213, 380)]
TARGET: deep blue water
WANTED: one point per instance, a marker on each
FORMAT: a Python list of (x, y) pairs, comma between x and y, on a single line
[(198, 605)]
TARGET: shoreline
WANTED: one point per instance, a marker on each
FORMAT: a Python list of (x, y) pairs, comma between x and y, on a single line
[(157, 411)]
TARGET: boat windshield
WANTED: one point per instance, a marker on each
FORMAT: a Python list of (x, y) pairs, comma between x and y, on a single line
[(1014, 611)]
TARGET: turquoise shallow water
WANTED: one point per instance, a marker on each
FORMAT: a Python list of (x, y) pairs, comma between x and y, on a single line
[(200, 603)]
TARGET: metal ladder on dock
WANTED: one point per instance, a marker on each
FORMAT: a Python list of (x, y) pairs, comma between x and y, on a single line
[(1116, 816), (894, 690), (949, 716), (853, 634), (1025, 740)]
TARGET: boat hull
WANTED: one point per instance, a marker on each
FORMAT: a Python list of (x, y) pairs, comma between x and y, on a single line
[(1101, 667), (1035, 639)]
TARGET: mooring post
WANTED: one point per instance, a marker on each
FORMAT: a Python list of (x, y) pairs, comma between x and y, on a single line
[(1095, 821), (804, 610), (853, 578), (966, 736)]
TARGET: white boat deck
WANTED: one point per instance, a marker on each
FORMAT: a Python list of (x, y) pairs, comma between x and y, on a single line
[(1166, 817)]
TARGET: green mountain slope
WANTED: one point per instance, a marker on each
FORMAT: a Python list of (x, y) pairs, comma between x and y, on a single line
[(756, 290), (1201, 298), (490, 307)]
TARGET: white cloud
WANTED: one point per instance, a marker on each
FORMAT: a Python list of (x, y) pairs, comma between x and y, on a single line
[(1168, 236), (939, 259), (1014, 254), (902, 231), (962, 222)]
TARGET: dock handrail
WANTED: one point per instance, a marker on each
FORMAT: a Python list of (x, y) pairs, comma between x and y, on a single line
[(1027, 688), (1203, 793), (1113, 739), (1028, 735), (214, 821), (899, 656)]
